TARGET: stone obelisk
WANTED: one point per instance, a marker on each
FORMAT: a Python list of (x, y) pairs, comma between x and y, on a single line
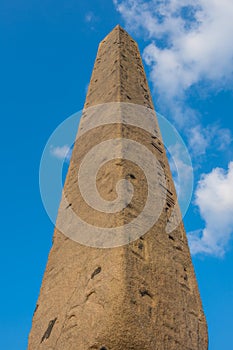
[(129, 296)]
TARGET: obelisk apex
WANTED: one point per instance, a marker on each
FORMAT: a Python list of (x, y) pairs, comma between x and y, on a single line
[(116, 277), (118, 74)]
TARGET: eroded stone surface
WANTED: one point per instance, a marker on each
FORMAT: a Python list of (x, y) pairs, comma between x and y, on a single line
[(143, 295)]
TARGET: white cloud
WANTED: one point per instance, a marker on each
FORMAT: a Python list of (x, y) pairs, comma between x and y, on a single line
[(61, 152), (201, 137), (190, 43), (214, 198), (197, 36), (224, 138), (89, 17), (91, 20)]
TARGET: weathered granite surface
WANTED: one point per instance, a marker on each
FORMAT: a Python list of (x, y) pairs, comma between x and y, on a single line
[(142, 295)]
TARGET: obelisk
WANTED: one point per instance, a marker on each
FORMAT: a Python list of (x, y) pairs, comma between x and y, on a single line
[(133, 288)]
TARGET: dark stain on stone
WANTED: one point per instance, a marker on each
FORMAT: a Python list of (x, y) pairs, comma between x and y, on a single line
[(49, 329), (150, 311), (140, 245), (97, 270), (35, 309), (144, 292)]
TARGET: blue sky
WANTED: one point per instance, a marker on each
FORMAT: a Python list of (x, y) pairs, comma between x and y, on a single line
[(47, 55)]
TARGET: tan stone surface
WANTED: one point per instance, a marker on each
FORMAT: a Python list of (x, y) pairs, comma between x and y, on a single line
[(143, 295), (118, 74)]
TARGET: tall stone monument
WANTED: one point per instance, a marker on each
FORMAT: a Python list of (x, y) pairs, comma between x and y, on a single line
[(119, 278)]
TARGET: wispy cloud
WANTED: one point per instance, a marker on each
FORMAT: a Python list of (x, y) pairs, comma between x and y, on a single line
[(201, 137), (190, 44), (215, 201), (61, 152), (91, 20), (89, 17)]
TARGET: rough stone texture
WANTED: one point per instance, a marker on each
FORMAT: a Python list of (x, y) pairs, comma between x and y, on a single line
[(143, 295), (118, 74)]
